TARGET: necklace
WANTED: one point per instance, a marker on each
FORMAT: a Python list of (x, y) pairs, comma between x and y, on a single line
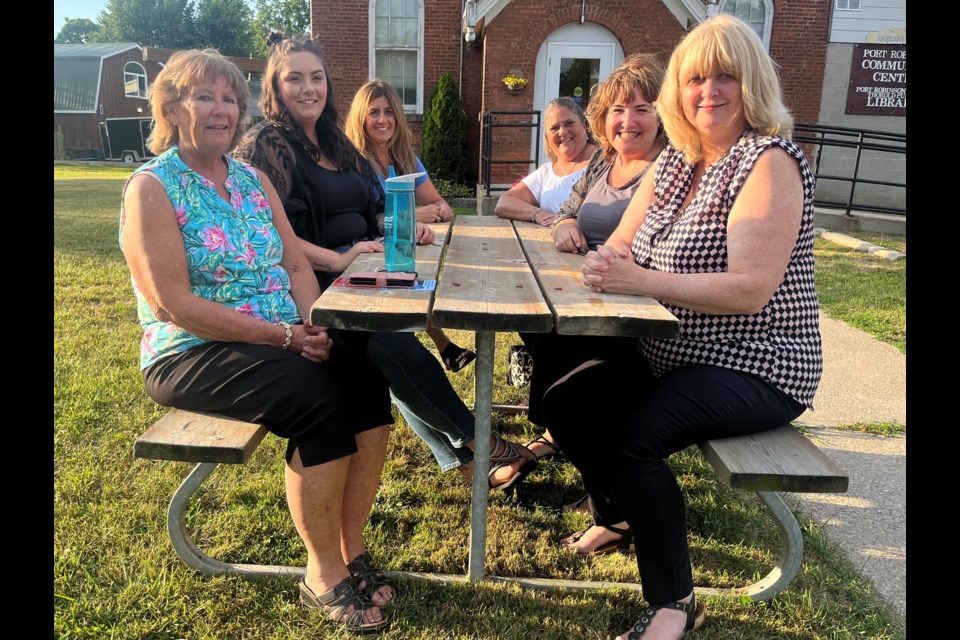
[(571, 166)]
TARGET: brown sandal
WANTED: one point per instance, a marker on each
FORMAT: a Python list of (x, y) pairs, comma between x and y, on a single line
[(336, 605)]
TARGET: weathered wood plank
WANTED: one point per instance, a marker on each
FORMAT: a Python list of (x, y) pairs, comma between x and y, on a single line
[(382, 309), (580, 311), (190, 436), (486, 284), (778, 460)]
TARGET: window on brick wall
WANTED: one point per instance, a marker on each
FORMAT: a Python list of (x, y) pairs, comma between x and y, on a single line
[(756, 13), (134, 80), (396, 48), (848, 5)]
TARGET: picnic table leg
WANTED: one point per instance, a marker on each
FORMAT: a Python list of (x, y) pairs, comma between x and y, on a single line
[(483, 404), (187, 549)]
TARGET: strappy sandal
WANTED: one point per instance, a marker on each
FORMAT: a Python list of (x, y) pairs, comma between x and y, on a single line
[(623, 543), (369, 578), (505, 453), (336, 604), (693, 609), (456, 357), (583, 505), (554, 450)]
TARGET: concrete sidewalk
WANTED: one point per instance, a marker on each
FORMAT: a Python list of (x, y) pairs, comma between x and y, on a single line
[(864, 380)]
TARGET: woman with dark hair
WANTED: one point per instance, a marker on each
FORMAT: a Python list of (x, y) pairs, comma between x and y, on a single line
[(224, 294), (569, 145), (334, 196)]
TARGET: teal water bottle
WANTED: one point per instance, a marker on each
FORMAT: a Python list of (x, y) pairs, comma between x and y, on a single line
[(400, 223)]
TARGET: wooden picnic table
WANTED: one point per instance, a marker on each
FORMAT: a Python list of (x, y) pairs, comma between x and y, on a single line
[(492, 275)]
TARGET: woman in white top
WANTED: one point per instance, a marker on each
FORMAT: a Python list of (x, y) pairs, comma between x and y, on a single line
[(569, 145)]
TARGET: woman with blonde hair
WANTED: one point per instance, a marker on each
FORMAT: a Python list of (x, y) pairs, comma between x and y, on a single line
[(377, 127), (721, 233), (224, 292)]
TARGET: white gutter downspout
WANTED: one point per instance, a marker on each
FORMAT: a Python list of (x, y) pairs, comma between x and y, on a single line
[(583, 11)]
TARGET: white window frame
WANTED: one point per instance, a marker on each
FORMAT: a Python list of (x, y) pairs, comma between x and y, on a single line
[(767, 20), (846, 5), (130, 75), (372, 64)]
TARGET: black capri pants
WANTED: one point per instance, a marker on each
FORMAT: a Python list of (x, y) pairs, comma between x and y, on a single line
[(317, 407), (618, 424)]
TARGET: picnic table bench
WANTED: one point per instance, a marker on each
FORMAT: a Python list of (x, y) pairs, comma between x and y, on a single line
[(780, 460)]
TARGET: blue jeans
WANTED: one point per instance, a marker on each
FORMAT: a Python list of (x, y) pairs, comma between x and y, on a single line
[(421, 390)]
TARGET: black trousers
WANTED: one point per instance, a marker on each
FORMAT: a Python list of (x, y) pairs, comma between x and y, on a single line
[(317, 407), (618, 424), (555, 355)]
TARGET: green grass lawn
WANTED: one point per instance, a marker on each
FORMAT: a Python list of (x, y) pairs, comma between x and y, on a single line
[(116, 575)]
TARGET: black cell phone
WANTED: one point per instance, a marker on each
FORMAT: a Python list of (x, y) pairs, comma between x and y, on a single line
[(384, 278)]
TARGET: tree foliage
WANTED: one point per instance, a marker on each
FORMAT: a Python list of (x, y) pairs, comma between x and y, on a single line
[(290, 17), (150, 23), (76, 31), (444, 141), (224, 25)]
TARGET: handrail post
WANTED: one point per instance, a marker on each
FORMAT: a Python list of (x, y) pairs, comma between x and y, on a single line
[(856, 172)]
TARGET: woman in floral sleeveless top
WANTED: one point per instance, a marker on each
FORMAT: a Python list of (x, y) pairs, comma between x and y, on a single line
[(222, 286)]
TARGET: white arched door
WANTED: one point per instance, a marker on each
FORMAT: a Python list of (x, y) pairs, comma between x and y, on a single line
[(571, 60)]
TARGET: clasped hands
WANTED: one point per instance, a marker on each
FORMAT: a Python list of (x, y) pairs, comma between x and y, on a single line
[(609, 270), (436, 212)]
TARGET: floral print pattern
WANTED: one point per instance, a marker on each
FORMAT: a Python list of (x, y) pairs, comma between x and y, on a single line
[(233, 251)]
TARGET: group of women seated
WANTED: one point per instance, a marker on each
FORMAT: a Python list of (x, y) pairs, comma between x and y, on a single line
[(681, 185)]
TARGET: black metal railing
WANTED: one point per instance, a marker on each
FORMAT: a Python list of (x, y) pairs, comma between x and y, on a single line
[(838, 155), (490, 123), (832, 163)]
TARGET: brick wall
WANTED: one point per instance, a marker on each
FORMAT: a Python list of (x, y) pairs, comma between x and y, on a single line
[(799, 46), (341, 28), (514, 37)]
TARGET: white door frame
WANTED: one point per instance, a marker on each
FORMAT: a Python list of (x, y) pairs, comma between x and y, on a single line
[(587, 40)]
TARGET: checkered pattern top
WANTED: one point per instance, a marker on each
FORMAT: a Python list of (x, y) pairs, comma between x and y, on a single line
[(781, 343)]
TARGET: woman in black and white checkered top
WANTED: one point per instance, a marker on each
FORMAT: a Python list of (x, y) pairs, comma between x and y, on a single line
[(721, 232)]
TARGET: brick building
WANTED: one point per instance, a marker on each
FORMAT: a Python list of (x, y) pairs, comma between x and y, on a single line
[(566, 44)]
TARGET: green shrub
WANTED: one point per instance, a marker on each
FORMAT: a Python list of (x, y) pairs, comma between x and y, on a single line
[(448, 189), (444, 141)]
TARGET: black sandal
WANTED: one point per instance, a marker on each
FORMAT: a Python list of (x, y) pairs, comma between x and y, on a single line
[(693, 609), (624, 543), (554, 452), (336, 603), (456, 357), (505, 453), (583, 505), (369, 578)]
